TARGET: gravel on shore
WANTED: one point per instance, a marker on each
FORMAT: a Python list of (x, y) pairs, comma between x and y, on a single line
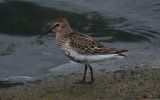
[(126, 84)]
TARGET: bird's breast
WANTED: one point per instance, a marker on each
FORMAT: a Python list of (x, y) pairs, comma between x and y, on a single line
[(66, 48), (70, 52)]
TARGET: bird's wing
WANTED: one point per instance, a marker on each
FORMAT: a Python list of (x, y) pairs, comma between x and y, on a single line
[(84, 44), (106, 50)]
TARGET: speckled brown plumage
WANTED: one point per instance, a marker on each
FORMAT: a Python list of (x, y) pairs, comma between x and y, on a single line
[(87, 45)]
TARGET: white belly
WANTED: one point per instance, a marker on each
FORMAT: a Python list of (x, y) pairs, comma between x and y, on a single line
[(75, 56), (93, 58)]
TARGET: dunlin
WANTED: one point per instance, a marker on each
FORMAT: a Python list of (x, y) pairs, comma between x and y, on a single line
[(80, 47)]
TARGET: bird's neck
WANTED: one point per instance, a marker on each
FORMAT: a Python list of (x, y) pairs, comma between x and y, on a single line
[(61, 34), (58, 37), (67, 30)]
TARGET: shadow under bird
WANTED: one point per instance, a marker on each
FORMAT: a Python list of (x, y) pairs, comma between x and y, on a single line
[(81, 48)]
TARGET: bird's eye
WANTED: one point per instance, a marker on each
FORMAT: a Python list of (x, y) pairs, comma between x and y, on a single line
[(56, 25)]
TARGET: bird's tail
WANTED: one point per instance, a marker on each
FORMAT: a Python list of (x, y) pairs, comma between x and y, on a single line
[(121, 51), (117, 51), (111, 51)]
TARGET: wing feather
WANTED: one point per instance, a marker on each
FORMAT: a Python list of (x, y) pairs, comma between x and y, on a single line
[(85, 44)]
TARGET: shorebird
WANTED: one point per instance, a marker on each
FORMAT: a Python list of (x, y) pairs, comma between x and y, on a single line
[(80, 47)]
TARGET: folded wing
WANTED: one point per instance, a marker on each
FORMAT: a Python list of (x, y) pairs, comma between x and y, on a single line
[(84, 44)]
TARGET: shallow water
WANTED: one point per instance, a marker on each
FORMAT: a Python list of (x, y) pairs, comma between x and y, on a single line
[(129, 24)]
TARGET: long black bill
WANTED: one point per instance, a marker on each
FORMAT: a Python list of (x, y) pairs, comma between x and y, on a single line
[(45, 33)]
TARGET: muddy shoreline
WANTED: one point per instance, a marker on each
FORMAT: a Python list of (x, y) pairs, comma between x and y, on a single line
[(138, 83)]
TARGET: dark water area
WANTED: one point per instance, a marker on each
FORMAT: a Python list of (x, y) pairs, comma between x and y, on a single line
[(26, 18)]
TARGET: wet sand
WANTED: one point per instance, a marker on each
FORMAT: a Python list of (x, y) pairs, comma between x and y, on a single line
[(138, 83)]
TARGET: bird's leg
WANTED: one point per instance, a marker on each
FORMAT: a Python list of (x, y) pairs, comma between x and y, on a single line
[(92, 80), (84, 75)]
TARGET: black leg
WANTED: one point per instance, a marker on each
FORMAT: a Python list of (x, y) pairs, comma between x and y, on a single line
[(92, 80), (84, 75)]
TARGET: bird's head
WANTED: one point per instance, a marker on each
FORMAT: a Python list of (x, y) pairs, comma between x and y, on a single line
[(59, 25)]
